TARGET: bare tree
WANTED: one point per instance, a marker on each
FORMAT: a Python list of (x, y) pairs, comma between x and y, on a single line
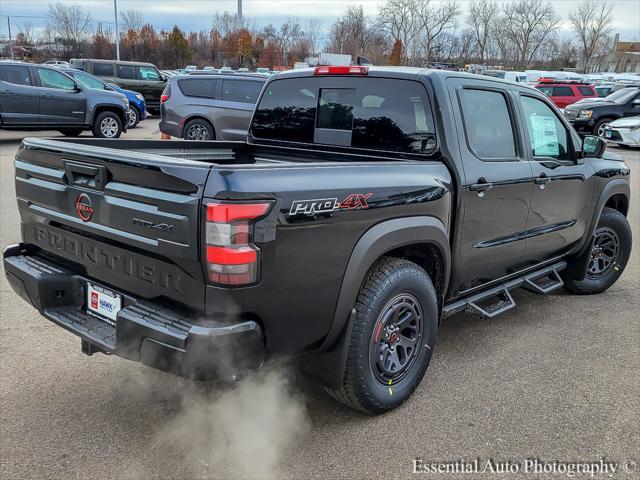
[(26, 31), (285, 36), (592, 21), (70, 23), (434, 20), (313, 34), (528, 24), (131, 20), (397, 20), (481, 18)]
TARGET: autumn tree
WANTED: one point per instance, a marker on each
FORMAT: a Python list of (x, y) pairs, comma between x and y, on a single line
[(395, 57)]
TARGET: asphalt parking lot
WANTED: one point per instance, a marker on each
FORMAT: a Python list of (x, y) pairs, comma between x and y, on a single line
[(556, 379)]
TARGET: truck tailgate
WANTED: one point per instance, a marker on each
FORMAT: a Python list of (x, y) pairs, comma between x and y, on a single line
[(130, 220)]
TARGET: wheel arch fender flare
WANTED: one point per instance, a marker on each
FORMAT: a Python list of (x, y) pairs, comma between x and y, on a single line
[(99, 107), (327, 364), (619, 186)]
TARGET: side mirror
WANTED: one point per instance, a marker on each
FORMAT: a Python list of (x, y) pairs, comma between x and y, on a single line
[(593, 147), (636, 102)]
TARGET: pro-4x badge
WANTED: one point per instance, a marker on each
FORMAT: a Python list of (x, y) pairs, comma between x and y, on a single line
[(327, 205)]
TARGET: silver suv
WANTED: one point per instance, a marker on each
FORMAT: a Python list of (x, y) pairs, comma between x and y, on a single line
[(209, 107)]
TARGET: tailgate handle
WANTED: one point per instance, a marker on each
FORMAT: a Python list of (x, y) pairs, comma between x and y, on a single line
[(84, 175)]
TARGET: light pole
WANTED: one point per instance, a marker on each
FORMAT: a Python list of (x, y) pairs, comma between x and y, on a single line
[(115, 7), (239, 9)]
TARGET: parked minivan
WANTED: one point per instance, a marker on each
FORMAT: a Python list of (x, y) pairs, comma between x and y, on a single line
[(209, 107), (137, 76)]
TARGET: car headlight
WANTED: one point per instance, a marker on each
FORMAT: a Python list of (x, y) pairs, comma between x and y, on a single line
[(139, 97), (585, 113)]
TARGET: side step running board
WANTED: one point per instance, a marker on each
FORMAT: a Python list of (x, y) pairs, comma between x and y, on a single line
[(543, 283), (496, 300), (493, 304)]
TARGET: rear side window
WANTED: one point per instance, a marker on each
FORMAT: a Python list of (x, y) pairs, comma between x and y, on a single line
[(562, 92), (241, 91), (127, 72), (103, 69), (585, 90), (548, 91), (198, 87), (487, 124), (378, 114), (149, 73), (16, 74)]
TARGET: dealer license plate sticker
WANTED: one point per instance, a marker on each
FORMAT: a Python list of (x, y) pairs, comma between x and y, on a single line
[(103, 302)]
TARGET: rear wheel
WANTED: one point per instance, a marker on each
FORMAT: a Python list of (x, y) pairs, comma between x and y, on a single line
[(71, 132), (392, 337), (609, 254), (107, 125), (198, 129)]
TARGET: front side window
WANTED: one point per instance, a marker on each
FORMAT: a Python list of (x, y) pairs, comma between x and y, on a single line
[(149, 73), (548, 91), (53, 79), (241, 91), (488, 125), (563, 92), (127, 72), (548, 136), (103, 69), (90, 81), (16, 74)]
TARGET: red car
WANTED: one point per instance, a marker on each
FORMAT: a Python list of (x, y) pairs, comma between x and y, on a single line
[(565, 92)]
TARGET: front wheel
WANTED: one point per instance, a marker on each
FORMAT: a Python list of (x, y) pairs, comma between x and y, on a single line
[(134, 118), (610, 251), (107, 125), (600, 126), (392, 337)]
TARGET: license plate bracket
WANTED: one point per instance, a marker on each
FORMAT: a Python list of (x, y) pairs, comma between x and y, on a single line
[(103, 303)]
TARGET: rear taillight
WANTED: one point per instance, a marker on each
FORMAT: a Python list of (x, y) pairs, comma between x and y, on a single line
[(164, 97), (232, 257)]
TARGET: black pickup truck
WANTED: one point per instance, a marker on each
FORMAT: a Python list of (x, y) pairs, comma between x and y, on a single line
[(366, 205)]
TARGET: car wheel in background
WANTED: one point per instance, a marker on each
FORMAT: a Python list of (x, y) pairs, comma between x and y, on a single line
[(71, 132), (107, 125), (198, 129), (392, 337), (134, 117), (599, 127)]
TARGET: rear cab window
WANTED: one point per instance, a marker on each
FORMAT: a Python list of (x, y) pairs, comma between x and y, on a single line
[(16, 74), (383, 114)]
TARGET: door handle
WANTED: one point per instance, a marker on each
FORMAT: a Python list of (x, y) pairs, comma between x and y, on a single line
[(481, 187), (542, 180)]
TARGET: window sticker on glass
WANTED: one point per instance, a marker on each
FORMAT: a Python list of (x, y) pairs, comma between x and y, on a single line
[(544, 136)]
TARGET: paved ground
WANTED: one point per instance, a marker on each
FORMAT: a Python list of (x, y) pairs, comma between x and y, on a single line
[(556, 379)]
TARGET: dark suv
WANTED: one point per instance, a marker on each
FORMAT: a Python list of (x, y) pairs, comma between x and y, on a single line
[(208, 107), (593, 117), (137, 76), (39, 97)]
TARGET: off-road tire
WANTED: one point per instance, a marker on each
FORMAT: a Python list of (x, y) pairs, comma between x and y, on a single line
[(387, 278), (616, 222), (114, 121)]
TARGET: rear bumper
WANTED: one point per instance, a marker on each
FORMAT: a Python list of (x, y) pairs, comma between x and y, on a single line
[(157, 336)]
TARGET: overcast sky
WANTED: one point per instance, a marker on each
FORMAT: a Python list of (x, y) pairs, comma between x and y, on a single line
[(197, 14)]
